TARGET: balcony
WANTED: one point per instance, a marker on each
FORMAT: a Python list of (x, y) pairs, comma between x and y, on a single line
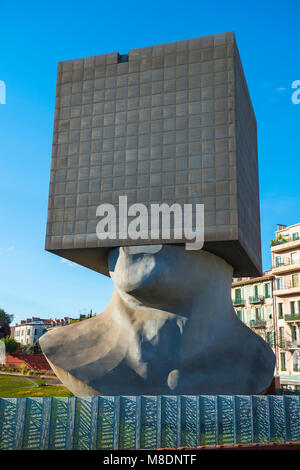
[(284, 244), (292, 345), (238, 302), (293, 317), (288, 288), (258, 299), (258, 323), (286, 266)]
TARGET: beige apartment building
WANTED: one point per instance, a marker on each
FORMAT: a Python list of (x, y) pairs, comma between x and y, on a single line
[(285, 251), (252, 299)]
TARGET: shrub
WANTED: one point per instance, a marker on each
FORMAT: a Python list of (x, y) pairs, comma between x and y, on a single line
[(11, 345), (31, 348), (23, 369)]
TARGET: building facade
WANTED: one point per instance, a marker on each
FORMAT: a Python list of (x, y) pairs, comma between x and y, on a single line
[(285, 251), (252, 299), (270, 305), (31, 329)]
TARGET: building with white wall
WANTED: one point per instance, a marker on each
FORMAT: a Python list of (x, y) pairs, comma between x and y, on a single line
[(285, 251), (31, 329)]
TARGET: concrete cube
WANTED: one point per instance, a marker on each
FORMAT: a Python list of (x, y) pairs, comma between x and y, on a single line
[(167, 123)]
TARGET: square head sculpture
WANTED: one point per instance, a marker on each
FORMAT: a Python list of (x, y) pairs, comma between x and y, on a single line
[(169, 123)]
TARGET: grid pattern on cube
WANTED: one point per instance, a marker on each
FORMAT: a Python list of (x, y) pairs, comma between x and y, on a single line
[(159, 127)]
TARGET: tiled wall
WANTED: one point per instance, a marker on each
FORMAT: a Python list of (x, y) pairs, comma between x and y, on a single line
[(158, 128)]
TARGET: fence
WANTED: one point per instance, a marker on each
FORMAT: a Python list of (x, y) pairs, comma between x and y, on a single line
[(147, 422)]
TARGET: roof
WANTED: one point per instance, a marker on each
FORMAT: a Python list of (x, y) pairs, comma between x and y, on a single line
[(253, 280), (285, 229)]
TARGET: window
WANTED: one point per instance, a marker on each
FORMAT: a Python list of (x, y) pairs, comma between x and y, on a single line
[(295, 280), (278, 261), (280, 310), (35, 332), (256, 291), (296, 236), (292, 307), (294, 258), (293, 333), (296, 364), (240, 315), (270, 338), (238, 294), (247, 291), (282, 361), (280, 283), (281, 336), (268, 292), (28, 332), (258, 314)]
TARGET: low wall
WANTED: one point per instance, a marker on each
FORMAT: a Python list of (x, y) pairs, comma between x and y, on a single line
[(32, 361), (147, 422)]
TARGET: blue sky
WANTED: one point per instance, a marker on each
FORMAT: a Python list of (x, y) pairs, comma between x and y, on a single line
[(36, 35)]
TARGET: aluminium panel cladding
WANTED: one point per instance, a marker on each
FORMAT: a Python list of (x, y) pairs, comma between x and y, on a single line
[(160, 127)]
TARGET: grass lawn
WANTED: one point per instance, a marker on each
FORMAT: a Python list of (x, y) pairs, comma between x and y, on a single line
[(17, 387)]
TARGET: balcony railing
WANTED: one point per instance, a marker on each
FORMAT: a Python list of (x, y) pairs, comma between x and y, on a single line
[(238, 302), (257, 299), (293, 317), (258, 323), (280, 241), (285, 262), (288, 285), (285, 344)]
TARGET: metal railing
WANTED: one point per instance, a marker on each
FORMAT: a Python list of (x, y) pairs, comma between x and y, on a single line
[(288, 285), (238, 302), (287, 344), (147, 422), (257, 299), (292, 317), (258, 323), (285, 262)]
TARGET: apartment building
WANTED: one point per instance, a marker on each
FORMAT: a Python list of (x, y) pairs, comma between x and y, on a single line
[(285, 251), (31, 329), (252, 300)]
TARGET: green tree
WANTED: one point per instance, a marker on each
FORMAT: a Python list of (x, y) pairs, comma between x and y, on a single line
[(5, 316), (10, 344)]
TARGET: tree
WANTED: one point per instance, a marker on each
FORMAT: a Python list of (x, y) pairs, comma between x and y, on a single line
[(5, 316), (10, 344)]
